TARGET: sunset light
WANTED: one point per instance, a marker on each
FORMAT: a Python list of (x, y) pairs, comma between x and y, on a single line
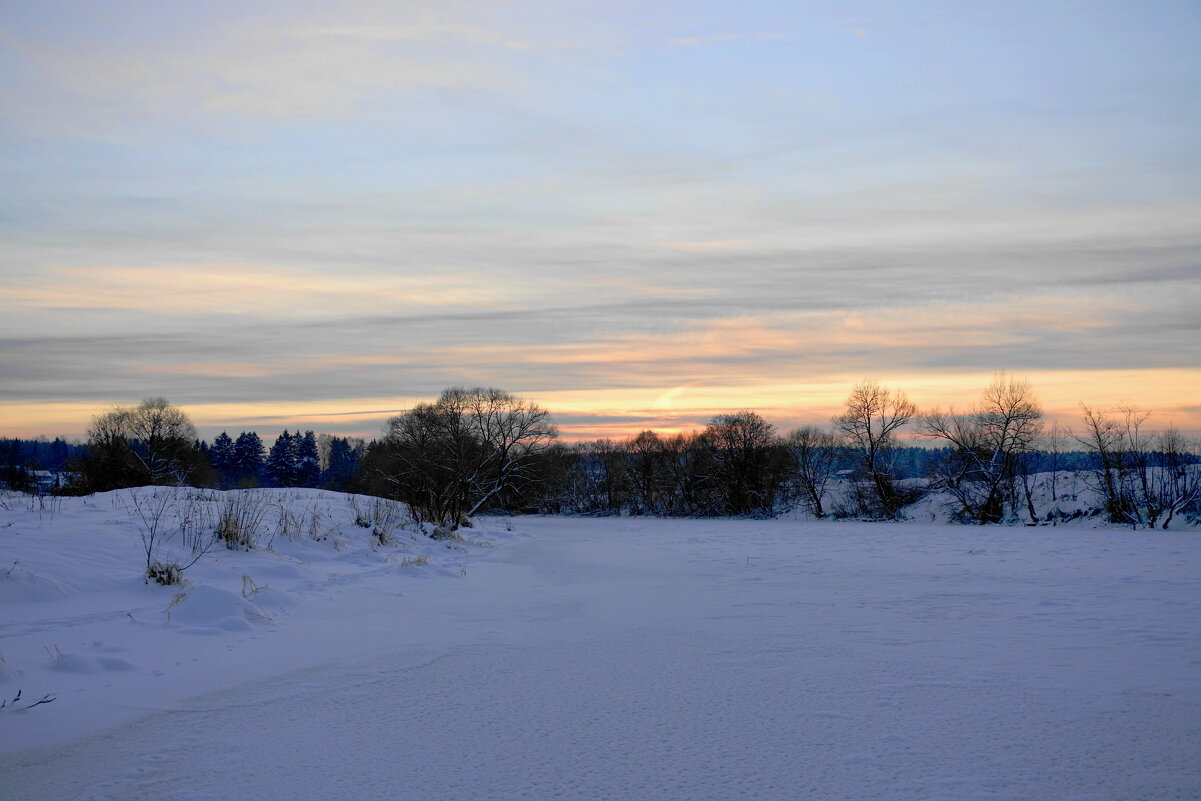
[(316, 217)]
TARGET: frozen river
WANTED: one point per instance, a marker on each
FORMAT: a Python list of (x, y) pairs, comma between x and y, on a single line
[(644, 659)]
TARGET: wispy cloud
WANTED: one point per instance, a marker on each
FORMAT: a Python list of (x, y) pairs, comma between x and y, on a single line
[(426, 31), (245, 290), (635, 215), (322, 66), (707, 246), (714, 38)]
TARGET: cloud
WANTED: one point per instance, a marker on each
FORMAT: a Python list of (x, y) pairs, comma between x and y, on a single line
[(426, 31), (707, 39), (668, 398), (657, 347), (318, 66), (707, 246), (374, 201), (243, 290), (326, 78)]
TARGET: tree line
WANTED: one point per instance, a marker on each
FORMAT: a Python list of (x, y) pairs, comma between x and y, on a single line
[(482, 449), (154, 443), (22, 460), (993, 462)]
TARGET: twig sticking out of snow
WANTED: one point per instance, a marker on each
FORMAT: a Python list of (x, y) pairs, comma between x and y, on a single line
[(45, 699)]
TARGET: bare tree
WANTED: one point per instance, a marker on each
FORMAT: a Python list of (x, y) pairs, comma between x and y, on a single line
[(745, 452), (451, 458), (151, 443), (646, 467), (872, 418), (1105, 437), (815, 455), (1052, 446), (1136, 461), (162, 431), (1146, 477), (1176, 480), (513, 431), (988, 441), (685, 461)]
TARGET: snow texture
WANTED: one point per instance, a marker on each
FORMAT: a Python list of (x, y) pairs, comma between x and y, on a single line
[(602, 659)]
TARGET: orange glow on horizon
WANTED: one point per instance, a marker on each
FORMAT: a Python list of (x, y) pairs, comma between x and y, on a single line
[(622, 412)]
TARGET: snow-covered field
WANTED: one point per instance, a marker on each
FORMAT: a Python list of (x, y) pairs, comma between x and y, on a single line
[(600, 659)]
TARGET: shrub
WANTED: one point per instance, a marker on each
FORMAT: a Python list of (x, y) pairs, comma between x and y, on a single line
[(166, 573), (241, 523), (446, 533), (384, 517), (315, 532)]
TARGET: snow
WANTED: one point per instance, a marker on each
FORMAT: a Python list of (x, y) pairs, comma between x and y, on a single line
[(602, 658)]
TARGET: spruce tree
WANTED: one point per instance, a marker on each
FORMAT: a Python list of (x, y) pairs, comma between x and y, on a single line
[(248, 460), (282, 460), (222, 456), (308, 461), (59, 453), (341, 464), (343, 468)]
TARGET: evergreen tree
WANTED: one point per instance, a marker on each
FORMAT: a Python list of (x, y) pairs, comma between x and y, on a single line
[(201, 470), (14, 470), (223, 458), (248, 460), (344, 456), (308, 461), (282, 461), (59, 453)]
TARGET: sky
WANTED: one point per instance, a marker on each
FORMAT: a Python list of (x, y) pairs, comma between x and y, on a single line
[(636, 214)]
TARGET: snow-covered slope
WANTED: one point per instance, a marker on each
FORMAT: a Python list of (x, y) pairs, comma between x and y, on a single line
[(610, 658), (78, 621)]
